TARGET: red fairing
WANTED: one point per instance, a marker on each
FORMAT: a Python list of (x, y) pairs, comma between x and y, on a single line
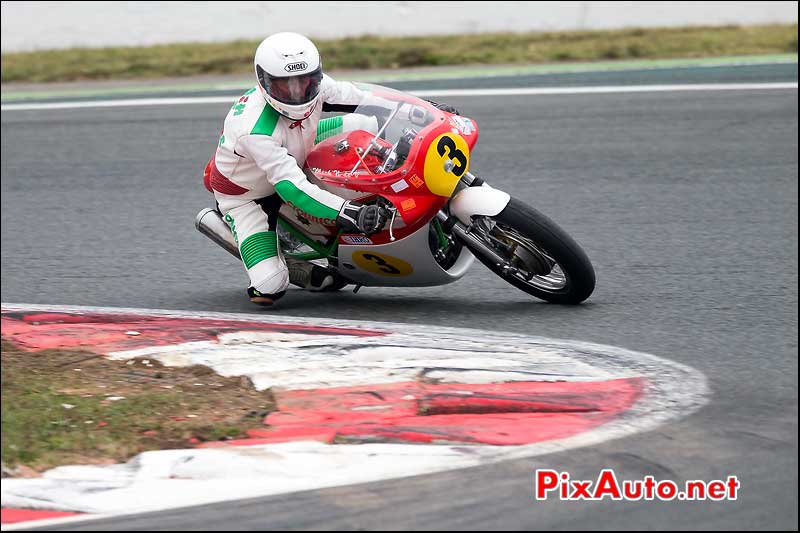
[(326, 158), (467, 128), (340, 162)]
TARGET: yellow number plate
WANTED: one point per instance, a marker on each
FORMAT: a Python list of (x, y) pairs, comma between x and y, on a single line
[(383, 265), (447, 146)]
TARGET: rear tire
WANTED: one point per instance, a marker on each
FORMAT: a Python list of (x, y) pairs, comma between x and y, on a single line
[(542, 259)]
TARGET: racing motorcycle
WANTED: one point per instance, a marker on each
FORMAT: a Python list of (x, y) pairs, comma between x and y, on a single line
[(413, 158)]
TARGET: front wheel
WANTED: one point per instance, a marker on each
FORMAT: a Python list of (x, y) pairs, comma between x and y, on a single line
[(540, 258)]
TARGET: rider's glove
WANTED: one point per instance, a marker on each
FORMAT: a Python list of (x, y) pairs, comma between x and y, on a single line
[(447, 108), (359, 218)]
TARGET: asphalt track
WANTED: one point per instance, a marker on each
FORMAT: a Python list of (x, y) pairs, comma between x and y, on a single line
[(685, 202)]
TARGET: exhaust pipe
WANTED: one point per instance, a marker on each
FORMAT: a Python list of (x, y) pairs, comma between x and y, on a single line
[(209, 222)]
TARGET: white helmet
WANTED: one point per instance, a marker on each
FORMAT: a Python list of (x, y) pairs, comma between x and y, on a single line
[(289, 73)]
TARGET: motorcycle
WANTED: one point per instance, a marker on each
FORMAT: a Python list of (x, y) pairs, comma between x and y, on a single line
[(413, 158)]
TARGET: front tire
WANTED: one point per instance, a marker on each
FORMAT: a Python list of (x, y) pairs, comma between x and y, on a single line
[(541, 258)]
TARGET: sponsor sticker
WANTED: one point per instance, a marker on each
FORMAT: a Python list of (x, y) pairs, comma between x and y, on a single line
[(408, 205), (296, 67), (338, 173), (356, 239), (416, 181), (399, 185), (299, 213), (464, 125)]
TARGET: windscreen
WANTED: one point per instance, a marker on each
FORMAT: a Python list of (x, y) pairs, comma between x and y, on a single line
[(400, 117)]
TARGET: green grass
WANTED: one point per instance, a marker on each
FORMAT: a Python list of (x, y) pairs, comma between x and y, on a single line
[(372, 52), (162, 408), (38, 430)]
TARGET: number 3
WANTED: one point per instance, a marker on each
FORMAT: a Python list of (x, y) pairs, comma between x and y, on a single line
[(447, 144), (381, 262)]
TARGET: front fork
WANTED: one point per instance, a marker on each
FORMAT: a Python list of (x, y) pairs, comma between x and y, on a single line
[(452, 223)]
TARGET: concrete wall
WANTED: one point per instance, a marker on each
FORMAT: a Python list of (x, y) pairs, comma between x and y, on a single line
[(47, 25)]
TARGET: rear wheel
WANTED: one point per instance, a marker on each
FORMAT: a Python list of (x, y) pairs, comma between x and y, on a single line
[(540, 258)]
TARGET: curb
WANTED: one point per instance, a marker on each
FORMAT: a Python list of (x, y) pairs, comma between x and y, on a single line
[(357, 402)]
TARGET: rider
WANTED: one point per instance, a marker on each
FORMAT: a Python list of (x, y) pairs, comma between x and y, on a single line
[(266, 137), (265, 140)]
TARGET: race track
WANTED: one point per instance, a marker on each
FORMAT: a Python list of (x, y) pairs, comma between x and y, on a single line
[(685, 202)]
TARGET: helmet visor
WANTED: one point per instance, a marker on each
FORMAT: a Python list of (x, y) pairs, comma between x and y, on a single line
[(291, 90)]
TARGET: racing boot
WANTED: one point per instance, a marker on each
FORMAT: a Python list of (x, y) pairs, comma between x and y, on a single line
[(309, 276), (260, 298)]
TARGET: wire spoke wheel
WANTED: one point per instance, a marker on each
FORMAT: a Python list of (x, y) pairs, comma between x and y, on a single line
[(526, 260), (540, 258)]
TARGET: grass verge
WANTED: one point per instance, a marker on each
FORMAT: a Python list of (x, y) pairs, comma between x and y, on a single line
[(72, 407), (371, 52)]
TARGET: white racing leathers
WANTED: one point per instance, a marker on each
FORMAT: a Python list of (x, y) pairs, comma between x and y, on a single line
[(261, 153)]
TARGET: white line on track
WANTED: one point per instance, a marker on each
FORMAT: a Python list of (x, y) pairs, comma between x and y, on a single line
[(519, 91)]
